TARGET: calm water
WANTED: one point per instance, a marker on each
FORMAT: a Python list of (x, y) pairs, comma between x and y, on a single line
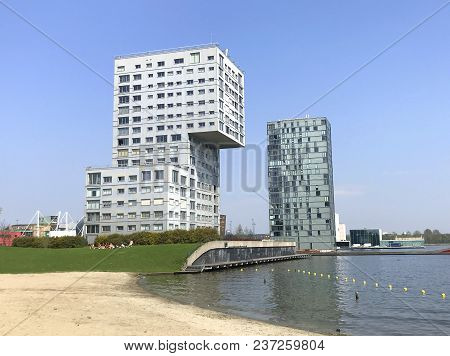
[(324, 305)]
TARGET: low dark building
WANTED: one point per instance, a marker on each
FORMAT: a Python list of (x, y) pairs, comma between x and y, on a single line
[(223, 224), (365, 236)]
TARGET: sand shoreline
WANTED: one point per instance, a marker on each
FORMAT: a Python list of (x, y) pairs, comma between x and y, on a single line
[(104, 303)]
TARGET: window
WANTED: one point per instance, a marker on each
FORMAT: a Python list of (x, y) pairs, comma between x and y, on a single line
[(161, 138), (161, 95), (179, 61), (119, 228), (201, 70), (107, 191), (201, 91), (161, 64), (195, 57), (131, 227), (174, 176), (201, 124), (190, 103), (158, 201), (159, 214), (176, 137), (145, 202), (132, 190), (124, 120), (136, 119), (190, 92), (93, 204), (145, 190), (137, 87), (159, 175), (132, 202), (161, 74), (157, 227), (145, 215), (124, 89), (136, 98), (137, 77), (146, 176), (190, 82), (124, 78), (121, 68), (158, 189), (124, 99), (124, 110), (107, 179), (123, 131), (210, 58), (189, 71), (92, 229), (120, 191), (145, 227), (106, 228), (94, 178), (137, 66)]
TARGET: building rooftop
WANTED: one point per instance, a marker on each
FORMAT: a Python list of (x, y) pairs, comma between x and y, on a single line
[(178, 49)]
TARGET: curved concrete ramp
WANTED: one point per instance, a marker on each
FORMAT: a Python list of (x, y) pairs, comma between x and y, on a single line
[(221, 254)]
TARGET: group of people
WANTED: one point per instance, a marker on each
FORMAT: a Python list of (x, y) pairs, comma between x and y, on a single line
[(109, 246)]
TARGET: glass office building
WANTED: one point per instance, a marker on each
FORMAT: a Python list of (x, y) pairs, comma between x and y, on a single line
[(366, 236), (300, 172)]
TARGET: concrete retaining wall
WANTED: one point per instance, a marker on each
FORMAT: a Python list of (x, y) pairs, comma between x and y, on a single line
[(216, 252)]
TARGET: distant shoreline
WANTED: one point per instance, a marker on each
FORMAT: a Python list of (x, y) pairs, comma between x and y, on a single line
[(108, 303)]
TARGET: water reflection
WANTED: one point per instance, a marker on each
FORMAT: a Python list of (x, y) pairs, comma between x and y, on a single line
[(272, 293)]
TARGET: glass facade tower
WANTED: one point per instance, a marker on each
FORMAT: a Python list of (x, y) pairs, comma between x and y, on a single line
[(300, 173)]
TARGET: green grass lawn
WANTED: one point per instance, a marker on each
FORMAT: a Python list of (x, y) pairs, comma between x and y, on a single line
[(154, 258)]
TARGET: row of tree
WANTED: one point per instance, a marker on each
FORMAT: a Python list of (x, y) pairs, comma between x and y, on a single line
[(430, 236)]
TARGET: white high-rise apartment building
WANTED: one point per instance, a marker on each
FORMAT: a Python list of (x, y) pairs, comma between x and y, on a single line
[(173, 111)]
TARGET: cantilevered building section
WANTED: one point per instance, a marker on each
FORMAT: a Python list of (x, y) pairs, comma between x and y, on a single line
[(300, 170), (173, 111)]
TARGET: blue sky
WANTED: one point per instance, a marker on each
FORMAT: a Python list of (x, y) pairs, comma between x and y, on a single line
[(390, 122)]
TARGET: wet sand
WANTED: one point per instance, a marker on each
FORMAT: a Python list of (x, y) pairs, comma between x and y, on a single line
[(101, 303)]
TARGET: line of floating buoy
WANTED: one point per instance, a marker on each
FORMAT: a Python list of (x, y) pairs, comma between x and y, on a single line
[(376, 284)]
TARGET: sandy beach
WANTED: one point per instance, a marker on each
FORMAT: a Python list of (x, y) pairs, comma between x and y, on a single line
[(100, 303)]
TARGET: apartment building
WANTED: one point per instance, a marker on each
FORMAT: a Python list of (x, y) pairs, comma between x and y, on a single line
[(173, 112), (300, 173)]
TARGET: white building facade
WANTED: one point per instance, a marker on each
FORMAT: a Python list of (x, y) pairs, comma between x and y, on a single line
[(173, 111), (341, 229)]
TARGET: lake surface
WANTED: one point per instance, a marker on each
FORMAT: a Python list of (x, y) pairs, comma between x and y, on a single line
[(281, 293)]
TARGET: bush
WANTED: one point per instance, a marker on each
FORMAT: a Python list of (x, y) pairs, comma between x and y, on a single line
[(67, 242), (157, 238), (50, 242)]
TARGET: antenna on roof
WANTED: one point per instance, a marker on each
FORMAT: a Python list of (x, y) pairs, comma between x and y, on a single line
[(226, 52)]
